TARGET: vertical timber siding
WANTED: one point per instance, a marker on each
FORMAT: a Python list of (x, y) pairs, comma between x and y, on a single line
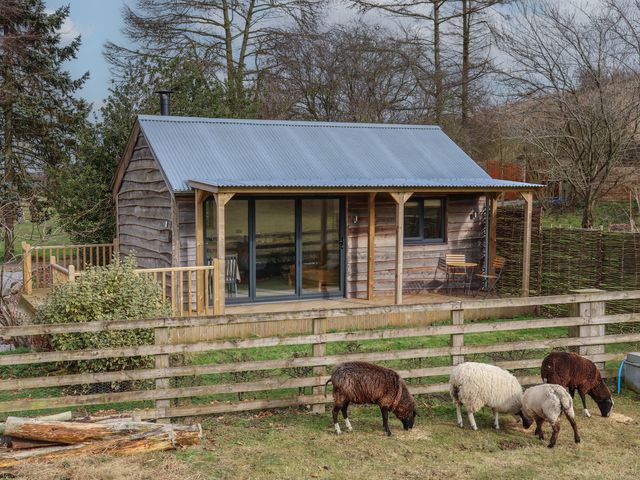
[(464, 235), (145, 210)]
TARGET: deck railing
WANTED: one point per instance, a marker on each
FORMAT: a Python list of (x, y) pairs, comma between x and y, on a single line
[(189, 290), (37, 265)]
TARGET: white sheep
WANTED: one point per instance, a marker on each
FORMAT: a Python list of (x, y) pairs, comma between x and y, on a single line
[(475, 385), (548, 402)]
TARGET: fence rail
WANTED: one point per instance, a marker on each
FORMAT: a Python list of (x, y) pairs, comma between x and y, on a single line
[(584, 331), (37, 265)]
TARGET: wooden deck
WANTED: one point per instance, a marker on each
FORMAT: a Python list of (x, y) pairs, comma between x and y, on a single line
[(329, 303)]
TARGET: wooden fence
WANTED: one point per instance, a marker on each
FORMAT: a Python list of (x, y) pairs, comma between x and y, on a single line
[(37, 266), (158, 384)]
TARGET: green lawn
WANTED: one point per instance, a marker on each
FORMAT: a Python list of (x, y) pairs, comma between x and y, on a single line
[(48, 233), (295, 444)]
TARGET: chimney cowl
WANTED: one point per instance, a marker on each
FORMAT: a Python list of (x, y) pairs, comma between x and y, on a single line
[(165, 102)]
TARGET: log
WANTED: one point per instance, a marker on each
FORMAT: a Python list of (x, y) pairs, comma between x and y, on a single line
[(72, 432), (58, 417), (164, 437), (21, 444)]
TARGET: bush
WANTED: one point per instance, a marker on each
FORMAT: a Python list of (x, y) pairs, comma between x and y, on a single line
[(114, 292)]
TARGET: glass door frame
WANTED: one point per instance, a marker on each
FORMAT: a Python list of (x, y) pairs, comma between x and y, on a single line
[(298, 295)]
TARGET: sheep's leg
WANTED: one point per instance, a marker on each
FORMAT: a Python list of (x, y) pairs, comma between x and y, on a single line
[(385, 420), (459, 415), (496, 420), (472, 420), (539, 432), (584, 402), (554, 436), (572, 421), (336, 425), (345, 414)]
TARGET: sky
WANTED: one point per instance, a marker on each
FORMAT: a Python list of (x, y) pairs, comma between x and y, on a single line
[(99, 21)]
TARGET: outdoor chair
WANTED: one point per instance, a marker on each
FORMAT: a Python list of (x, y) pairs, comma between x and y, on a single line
[(231, 275), (490, 281), (456, 275)]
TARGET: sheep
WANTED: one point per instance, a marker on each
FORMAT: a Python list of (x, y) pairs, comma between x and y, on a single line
[(575, 372), (362, 382), (547, 402), (475, 385)]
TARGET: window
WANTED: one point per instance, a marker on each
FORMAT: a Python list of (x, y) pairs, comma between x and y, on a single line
[(424, 220)]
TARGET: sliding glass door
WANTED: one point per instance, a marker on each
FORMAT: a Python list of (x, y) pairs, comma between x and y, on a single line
[(280, 248)]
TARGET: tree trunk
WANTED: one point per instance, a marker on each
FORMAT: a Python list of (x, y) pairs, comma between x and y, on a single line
[(587, 214), (437, 66), (464, 94)]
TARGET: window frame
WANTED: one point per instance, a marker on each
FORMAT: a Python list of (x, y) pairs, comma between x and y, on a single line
[(444, 221)]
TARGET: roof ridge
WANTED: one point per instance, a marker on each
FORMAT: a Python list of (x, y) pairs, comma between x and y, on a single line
[(285, 123)]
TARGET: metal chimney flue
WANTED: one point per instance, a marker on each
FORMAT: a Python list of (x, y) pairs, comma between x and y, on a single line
[(165, 102)]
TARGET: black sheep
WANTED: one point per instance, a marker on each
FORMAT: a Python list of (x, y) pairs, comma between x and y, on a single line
[(362, 382)]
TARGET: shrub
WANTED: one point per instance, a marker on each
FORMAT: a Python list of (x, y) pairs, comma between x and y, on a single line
[(114, 292)]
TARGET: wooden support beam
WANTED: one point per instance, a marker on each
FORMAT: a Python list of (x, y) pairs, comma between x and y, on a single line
[(400, 199), (221, 201), (526, 247), (200, 197), (371, 246), (492, 208)]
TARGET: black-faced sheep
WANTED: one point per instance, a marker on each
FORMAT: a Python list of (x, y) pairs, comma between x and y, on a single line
[(577, 373), (362, 382), (547, 402), (475, 385)]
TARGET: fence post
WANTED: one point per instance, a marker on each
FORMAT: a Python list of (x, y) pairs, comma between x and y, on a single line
[(72, 274), (116, 246), (457, 340), (27, 275), (588, 310), (319, 350), (162, 361)]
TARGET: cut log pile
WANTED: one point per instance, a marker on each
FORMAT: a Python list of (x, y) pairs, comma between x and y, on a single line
[(60, 436)]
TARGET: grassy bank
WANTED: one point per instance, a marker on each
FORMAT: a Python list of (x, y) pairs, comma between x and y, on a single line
[(295, 444)]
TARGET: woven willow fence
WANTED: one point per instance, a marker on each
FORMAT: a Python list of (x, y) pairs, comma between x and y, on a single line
[(565, 259)]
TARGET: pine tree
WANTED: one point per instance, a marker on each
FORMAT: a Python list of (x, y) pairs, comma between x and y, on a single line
[(39, 114)]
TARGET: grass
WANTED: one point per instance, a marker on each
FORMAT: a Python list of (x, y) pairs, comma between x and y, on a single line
[(606, 213), (295, 444), (47, 233)]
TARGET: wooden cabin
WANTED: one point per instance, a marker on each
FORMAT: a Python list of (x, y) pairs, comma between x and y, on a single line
[(296, 210)]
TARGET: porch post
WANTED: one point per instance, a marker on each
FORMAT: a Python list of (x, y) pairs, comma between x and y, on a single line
[(492, 208), (400, 199), (221, 200), (200, 198), (526, 248), (371, 246)]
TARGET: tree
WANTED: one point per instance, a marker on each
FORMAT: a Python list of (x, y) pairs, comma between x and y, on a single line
[(39, 114), (83, 197), (222, 35), (578, 96), (354, 72)]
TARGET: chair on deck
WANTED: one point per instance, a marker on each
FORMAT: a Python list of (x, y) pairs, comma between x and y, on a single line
[(231, 274), (456, 276), (490, 281)]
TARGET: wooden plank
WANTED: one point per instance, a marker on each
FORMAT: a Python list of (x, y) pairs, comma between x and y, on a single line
[(457, 318), (46, 357), (319, 350), (161, 336), (221, 201), (27, 273), (526, 247), (371, 241), (27, 330), (200, 197), (400, 198)]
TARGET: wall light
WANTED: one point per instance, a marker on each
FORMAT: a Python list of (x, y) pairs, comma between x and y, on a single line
[(354, 219)]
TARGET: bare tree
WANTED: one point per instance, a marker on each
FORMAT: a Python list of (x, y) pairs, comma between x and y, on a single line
[(578, 102), (354, 72), (224, 35)]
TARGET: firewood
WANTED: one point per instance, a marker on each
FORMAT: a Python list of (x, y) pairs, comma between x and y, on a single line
[(164, 437), (21, 444), (72, 432)]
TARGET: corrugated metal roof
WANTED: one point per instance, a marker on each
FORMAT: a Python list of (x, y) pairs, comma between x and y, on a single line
[(267, 153)]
